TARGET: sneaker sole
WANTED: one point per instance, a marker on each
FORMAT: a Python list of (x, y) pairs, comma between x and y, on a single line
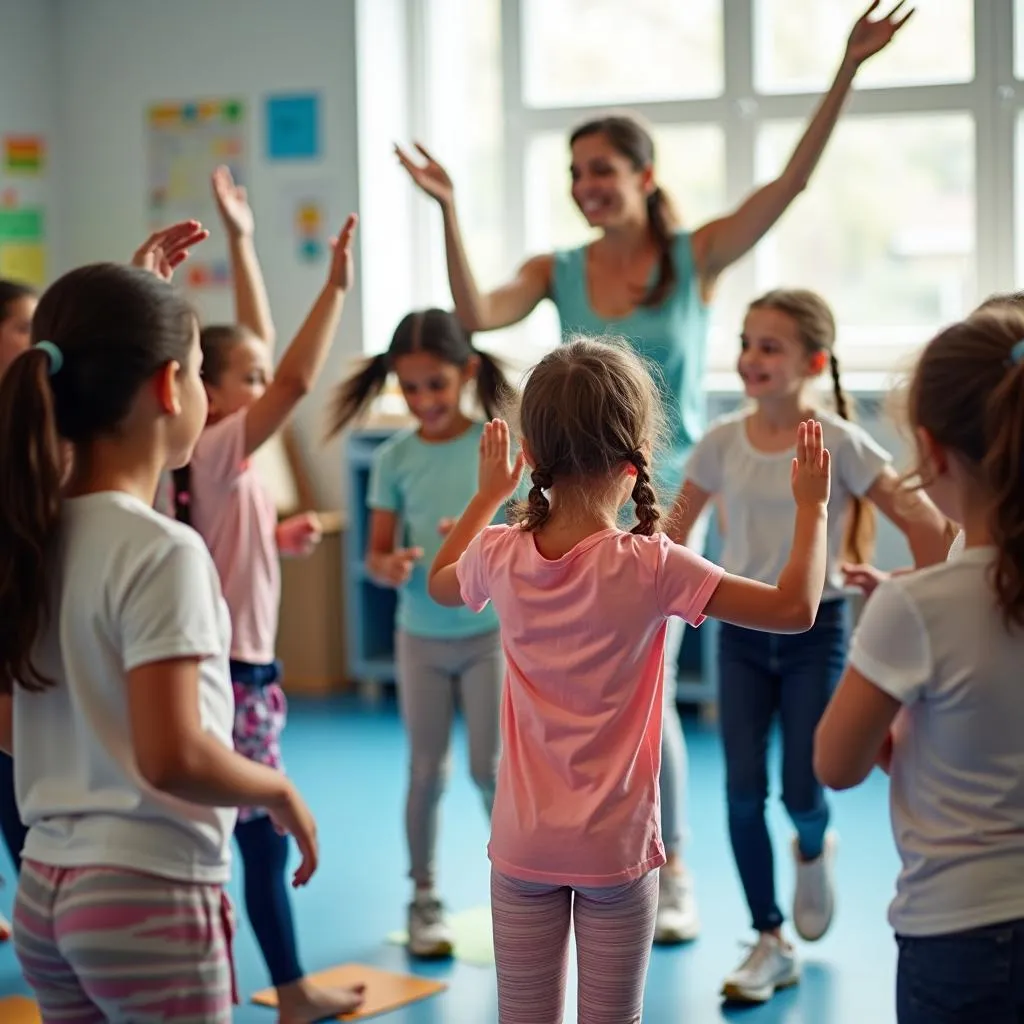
[(439, 951), (676, 937), (754, 997)]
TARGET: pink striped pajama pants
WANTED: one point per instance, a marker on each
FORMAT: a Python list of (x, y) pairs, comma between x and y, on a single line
[(109, 945), (614, 930)]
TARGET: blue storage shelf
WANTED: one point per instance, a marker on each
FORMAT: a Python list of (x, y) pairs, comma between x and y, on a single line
[(371, 609)]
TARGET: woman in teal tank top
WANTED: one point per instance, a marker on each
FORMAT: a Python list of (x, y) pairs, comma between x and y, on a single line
[(645, 279)]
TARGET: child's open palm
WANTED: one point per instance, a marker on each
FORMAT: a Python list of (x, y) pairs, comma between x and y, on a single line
[(342, 262), (232, 204), (811, 467), (498, 478)]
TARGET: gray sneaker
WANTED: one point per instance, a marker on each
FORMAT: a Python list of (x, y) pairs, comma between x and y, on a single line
[(429, 934), (677, 919)]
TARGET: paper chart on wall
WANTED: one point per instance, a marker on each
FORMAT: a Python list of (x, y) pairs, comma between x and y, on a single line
[(185, 143), (308, 216), (22, 244)]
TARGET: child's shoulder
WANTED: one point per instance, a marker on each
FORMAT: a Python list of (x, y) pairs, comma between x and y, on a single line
[(726, 428)]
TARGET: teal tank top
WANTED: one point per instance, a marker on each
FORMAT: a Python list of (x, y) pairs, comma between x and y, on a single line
[(672, 336)]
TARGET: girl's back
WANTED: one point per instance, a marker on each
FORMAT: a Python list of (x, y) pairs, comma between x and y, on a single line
[(584, 639), (122, 572)]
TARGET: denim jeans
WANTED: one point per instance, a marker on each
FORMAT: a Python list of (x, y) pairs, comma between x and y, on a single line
[(13, 830), (972, 977), (762, 675)]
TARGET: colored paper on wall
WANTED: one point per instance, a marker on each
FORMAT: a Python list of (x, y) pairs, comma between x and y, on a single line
[(293, 127), (24, 154), (186, 142), (308, 218), (22, 248)]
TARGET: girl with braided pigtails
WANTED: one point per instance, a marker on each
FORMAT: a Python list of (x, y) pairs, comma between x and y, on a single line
[(788, 340)]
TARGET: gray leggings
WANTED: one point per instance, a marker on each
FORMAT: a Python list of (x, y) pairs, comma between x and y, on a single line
[(429, 671)]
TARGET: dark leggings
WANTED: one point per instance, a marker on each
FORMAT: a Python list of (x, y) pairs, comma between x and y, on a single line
[(14, 831), (265, 859)]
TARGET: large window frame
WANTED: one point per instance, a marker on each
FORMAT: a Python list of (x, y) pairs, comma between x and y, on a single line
[(994, 99)]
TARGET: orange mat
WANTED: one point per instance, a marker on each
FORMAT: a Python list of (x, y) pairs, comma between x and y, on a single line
[(19, 1010), (385, 991)]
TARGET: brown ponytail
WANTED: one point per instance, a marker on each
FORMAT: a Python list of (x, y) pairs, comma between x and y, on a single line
[(631, 139), (354, 395), (30, 478), (647, 512), (536, 510)]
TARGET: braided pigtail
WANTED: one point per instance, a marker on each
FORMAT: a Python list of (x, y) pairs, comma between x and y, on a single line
[(644, 498), (533, 513)]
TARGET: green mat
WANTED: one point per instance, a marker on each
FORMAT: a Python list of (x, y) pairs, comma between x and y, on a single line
[(474, 943)]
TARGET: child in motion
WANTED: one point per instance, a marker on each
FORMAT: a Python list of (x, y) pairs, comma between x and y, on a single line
[(743, 460), (420, 480), (115, 644), (583, 607), (932, 691), (221, 495)]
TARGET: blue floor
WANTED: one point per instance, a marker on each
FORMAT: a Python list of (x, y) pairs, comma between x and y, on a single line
[(350, 763)]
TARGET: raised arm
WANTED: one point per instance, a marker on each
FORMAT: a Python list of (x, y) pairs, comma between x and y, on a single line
[(791, 606), (476, 310), (252, 307), (304, 359), (723, 241), (924, 526)]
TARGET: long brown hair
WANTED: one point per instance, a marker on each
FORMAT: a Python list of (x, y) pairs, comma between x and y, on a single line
[(438, 333), (816, 326), (587, 408), (628, 137), (967, 392), (114, 327)]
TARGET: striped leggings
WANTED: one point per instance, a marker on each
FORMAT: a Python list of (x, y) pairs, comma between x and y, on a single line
[(614, 930), (107, 944)]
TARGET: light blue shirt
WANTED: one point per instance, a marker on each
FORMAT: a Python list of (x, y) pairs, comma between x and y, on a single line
[(424, 482), (672, 336)]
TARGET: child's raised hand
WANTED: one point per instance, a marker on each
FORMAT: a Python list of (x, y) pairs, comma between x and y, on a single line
[(233, 204), (811, 467), (497, 479), (165, 249), (299, 535), (342, 262)]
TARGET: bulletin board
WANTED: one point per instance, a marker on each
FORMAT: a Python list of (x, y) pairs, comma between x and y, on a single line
[(22, 212), (186, 141)]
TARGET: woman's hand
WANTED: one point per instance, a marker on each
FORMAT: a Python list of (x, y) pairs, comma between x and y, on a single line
[(232, 204), (167, 248), (869, 37), (811, 467), (431, 177), (497, 479)]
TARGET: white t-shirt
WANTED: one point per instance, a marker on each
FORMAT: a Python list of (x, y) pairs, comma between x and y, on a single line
[(131, 587), (958, 545), (755, 488), (935, 641)]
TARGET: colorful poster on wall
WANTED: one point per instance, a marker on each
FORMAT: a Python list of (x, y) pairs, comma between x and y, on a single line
[(22, 245), (307, 218), (24, 154), (293, 127), (186, 143)]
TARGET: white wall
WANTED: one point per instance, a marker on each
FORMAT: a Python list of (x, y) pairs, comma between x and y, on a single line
[(117, 57), (30, 84)]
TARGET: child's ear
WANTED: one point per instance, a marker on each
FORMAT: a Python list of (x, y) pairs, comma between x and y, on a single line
[(528, 458), (471, 369), (817, 362), (165, 384), (933, 455)]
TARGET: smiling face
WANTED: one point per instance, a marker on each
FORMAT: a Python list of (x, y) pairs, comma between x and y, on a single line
[(607, 187), (243, 379), (432, 388), (774, 361)]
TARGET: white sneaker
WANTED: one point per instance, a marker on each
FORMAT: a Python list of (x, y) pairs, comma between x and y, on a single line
[(814, 900), (429, 934), (677, 919), (770, 965)]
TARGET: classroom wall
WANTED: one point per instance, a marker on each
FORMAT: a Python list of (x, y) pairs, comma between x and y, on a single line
[(30, 84), (116, 58)]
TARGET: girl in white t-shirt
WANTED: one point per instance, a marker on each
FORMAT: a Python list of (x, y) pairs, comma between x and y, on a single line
[(933, 691), (744, 461), (114, 628)]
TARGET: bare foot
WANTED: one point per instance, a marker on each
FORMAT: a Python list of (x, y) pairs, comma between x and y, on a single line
[(302, 1002)]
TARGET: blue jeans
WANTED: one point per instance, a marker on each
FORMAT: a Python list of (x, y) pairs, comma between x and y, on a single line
[(973, 977), (761, 675)]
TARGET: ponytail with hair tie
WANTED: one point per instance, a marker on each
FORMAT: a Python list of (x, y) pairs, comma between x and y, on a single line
[(644, 498)]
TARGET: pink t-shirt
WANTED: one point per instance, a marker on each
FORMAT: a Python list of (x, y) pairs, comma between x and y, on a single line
[(584, 638), (236, 516)]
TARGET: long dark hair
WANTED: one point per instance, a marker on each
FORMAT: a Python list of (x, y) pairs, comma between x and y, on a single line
[(10, 292), (434, 331), (114, 327), (967, 392), (587, 408), (632, 140), (817, 329)]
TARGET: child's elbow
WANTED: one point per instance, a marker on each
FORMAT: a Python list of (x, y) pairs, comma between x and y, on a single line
[(166, 770), (830, 771), (799, 617)]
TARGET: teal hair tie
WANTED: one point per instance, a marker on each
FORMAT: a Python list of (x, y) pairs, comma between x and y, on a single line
[(1017, 352), (54, 354)]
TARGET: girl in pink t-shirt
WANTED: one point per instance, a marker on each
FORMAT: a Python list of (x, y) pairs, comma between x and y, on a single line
[(221, 495), (583, 607)]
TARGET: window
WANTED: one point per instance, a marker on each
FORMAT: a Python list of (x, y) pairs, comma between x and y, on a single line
[(913, 215)]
